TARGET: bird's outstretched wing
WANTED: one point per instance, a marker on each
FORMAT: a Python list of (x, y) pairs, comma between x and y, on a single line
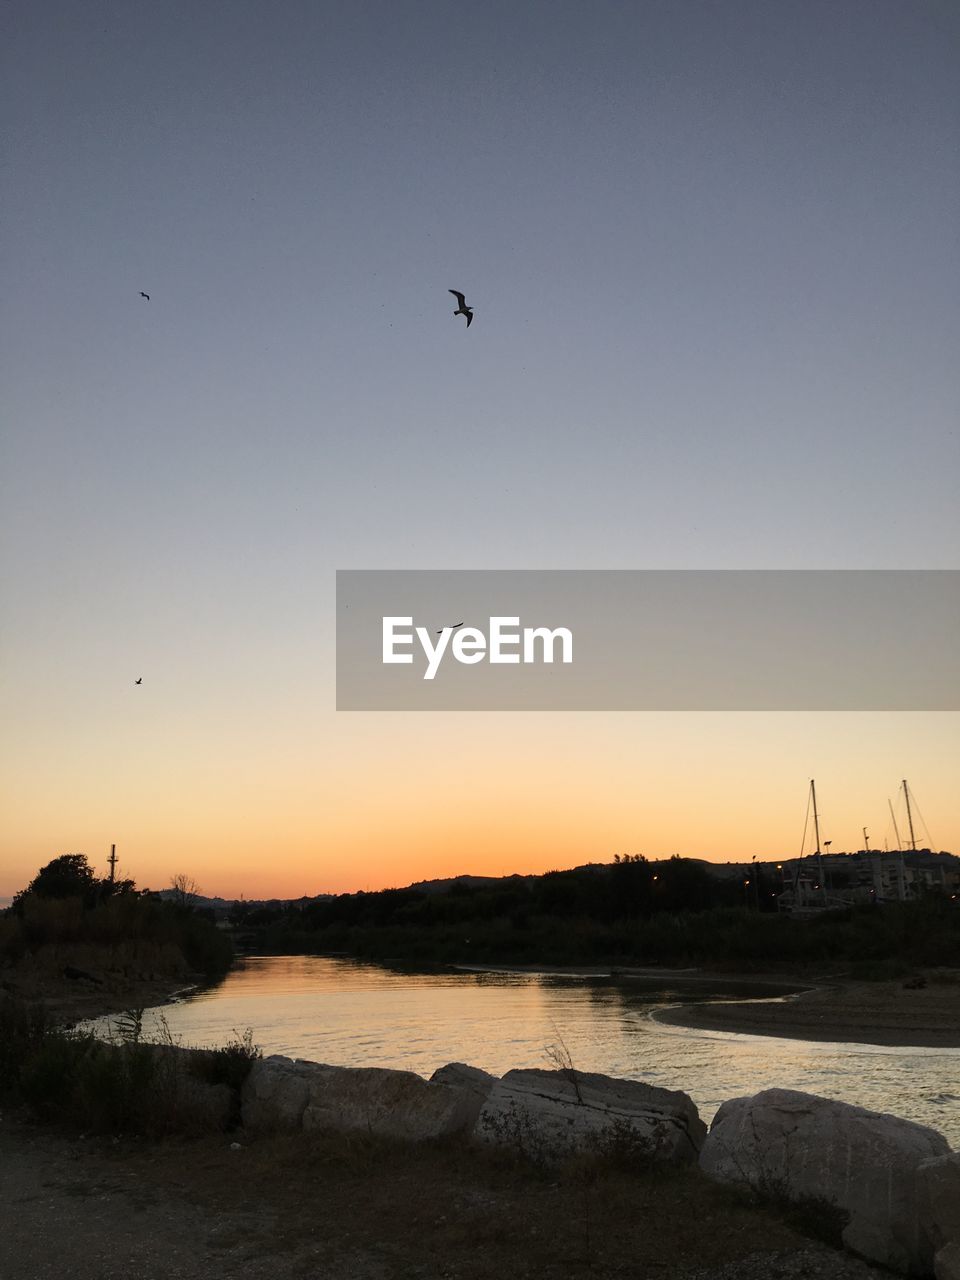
[(144, 295), (469, 318), (459, 297)]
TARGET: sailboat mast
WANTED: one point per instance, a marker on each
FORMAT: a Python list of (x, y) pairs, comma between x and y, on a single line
[(901, 875), (894, 818), (906, 792), (816, 828)]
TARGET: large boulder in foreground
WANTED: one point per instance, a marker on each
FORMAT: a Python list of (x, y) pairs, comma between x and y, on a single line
[(946, 1262), (275, 1094), (472, 1080), (781, 1142), (550, 1115), (281, 1093), (394, 1104), (939, 1191)]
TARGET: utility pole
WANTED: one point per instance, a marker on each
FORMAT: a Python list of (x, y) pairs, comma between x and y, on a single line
[(112, 861), (866, 841)]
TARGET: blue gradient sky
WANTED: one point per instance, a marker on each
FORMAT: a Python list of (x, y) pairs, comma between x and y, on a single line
[(713, 254)]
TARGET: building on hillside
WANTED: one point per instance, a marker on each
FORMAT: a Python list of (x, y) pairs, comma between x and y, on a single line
[(828, 881)]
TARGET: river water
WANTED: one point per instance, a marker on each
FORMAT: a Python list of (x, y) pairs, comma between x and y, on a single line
[(352, 1014)]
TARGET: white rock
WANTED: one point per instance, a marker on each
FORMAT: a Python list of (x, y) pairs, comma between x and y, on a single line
[(395, 1104), (549, 1115), (275, 1094), (939, 1190), (946, 1262), (802, 1146), (280, 1093), (457, 1075)]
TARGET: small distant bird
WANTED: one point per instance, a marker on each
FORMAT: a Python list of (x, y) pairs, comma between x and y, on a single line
[(462, 308), (453, 628), (139, 680), (144, 295)]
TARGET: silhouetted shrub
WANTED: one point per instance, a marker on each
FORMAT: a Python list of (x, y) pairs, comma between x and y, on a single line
[(116, 928), (229, 1064), (124, 1085)]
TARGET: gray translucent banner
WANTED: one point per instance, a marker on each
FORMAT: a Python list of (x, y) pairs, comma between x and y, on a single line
[(648, 640)]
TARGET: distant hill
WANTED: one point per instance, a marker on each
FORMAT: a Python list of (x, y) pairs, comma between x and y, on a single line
[(466, 882), (223, 905)]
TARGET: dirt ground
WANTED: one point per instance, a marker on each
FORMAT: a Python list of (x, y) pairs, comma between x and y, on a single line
[(98, 1209)]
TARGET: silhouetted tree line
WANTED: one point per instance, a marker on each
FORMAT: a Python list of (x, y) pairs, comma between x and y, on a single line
[(631, 912), (629, 888)]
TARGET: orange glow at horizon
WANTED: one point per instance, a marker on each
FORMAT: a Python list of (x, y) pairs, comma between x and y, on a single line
[(388, 800)]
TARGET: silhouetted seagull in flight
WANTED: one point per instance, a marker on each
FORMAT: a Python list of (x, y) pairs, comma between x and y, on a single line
[(453, 628), (139, 680), (463, 309), (144, 295)]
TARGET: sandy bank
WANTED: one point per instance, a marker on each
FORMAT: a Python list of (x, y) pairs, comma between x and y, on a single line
[(886, 1013)]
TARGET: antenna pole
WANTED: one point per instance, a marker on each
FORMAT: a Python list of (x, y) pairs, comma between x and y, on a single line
[(866, 841), (112, 861)]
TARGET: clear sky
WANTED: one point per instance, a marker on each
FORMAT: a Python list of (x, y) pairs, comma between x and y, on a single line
[(713, 254)]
